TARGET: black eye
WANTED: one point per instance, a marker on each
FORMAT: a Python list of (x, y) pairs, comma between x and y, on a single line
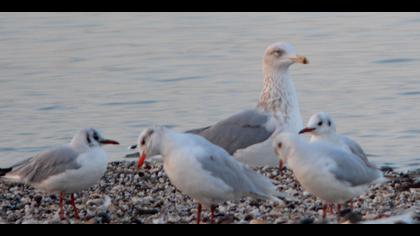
[(96, 136), (279, 145), (329, 123), (320, 123), (143, 142), (88, 139), (278, 52)]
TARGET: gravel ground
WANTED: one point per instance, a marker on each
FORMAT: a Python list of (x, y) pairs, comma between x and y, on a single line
[(125, 195)]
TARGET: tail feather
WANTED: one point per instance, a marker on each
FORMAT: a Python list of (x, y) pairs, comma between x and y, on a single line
[(3, 172)]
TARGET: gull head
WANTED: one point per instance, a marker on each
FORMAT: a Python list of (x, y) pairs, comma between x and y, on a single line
[(148, 144), (284, 143), (90, 138), (281, 55), (320, 123)]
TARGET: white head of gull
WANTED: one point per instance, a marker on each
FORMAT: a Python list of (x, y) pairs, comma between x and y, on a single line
[(322, 128), (66, 169), (322, 169), (202, 170), (248, 134)]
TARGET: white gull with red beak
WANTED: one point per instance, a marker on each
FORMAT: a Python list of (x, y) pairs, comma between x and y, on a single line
[(202, 170), (324, 170), (67, 169)]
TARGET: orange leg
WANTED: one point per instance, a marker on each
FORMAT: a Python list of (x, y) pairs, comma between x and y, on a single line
[(61, 207), (212, 214), (281, 165), (76, 214), (199, 213), (324, 213)]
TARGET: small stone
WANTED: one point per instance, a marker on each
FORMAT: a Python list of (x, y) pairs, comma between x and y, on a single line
[(226, 219), (257, 222), (248, 217), (387, 169), (307, 221), (353, 217)]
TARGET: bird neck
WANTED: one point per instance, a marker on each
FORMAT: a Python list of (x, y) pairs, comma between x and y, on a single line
[(169, 142), (329, 137), (279, 96), (79, 146)]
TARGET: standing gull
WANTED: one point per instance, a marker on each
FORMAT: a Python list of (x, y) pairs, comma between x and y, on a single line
[(323, 129), (248, 134), (67, 169), (328, 172), (202, 170)]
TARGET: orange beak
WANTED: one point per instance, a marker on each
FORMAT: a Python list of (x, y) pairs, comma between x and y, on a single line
[(306, 130), (142, 157)]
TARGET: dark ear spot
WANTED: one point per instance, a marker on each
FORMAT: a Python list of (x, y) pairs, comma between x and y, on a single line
[(143, 141), (88, 139), (95, 136)]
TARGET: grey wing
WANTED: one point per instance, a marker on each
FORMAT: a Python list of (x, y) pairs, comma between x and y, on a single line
[(46, 164), (238, 131), (357, 150), (352, 169), (238, 176)]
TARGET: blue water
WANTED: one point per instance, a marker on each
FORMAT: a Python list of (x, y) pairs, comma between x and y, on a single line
[(121, 72)]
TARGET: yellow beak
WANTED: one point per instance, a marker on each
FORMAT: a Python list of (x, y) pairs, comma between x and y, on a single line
[(299, 59)]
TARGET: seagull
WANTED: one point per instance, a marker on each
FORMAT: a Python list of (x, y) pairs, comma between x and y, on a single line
[(248, 134), (202, 170), (323, 129), (324, 170), (66, 169)]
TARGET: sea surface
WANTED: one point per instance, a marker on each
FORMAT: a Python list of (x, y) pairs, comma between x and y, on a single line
[(122, 72)]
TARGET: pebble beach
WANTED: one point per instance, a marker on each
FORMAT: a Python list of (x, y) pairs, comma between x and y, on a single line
[(126, 195)]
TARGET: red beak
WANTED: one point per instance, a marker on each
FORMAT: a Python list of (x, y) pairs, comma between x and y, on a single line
[(109, 141), (142, 157), (306, 130)]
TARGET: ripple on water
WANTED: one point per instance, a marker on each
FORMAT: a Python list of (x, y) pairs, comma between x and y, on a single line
[(144, 102), (411, 93), (181, 79), (394, 60), (50, 108)]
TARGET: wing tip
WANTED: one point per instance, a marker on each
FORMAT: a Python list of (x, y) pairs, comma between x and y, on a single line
[(3, 172)]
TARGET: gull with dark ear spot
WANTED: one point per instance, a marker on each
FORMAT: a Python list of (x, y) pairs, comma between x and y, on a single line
[(248, 134), (326, 171), (322, 128), (66, 169), (202, 170)]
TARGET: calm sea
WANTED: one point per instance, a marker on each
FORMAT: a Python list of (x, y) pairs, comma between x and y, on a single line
[(122, 72)]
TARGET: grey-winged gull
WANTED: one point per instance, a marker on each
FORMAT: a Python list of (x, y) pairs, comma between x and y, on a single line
[(202, 170), (66, 169), (248, 134), (324, 170)]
